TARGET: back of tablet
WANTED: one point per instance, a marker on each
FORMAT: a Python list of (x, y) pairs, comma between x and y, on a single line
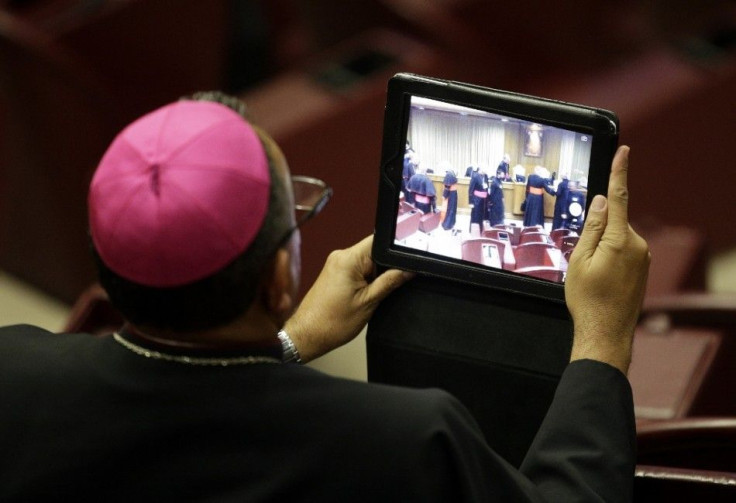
[(501, 356)]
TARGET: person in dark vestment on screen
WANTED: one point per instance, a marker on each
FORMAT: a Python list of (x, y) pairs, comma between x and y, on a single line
[(560, 220), (202, 396), (422, 190), (449, 194), (536, 185), (495, 199), (477, 195), (407, 172), (504, 167)]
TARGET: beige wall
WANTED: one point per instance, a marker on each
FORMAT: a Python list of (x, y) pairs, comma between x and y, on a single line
[(348, 361)]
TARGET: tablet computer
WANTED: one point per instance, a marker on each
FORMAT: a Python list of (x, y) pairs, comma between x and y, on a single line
[(487, 187)]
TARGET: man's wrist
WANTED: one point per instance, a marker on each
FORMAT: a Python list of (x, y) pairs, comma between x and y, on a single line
[(615, 354)]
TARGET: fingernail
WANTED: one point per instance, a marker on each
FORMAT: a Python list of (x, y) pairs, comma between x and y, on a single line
[(598, 203), (408, 274)]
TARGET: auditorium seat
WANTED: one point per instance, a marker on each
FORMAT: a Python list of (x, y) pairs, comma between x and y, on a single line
[(533, 255), (664, 483), (541, 272), (93, 313), (57, 119), (429, 222), (501, 234), (558, 233), (670, 368), (533, 237), (505, 250), (532, 228), (568, 243), (148, 53), (513, 230), (405, 207), (473, 251), (407, 224), (699, 313), (705, 443)]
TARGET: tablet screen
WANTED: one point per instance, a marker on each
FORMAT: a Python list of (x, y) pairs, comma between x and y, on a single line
[(492, 190)]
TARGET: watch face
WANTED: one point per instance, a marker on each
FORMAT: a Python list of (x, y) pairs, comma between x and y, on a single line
[(575, 209)]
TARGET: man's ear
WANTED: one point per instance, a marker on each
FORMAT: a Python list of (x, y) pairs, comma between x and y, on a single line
[(278, 285)]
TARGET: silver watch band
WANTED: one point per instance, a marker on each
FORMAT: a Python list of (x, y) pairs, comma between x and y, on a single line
[(289, 352)]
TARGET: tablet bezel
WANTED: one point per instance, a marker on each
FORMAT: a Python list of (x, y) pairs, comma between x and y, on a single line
[(602, 125)]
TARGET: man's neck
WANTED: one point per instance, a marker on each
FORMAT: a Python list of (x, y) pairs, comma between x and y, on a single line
[(251, 328)]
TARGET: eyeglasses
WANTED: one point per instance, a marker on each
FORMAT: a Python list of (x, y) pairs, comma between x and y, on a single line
[(310, 197)]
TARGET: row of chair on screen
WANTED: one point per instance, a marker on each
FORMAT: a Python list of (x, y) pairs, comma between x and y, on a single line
[(561, 238), (410, 219), (533, 259)]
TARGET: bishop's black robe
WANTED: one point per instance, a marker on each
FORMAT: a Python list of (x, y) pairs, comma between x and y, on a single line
[(86, 419)]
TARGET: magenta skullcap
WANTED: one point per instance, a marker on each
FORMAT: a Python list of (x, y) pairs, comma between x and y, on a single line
[(179, 194)]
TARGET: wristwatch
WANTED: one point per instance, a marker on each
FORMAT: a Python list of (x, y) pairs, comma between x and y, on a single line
[(289, 353)]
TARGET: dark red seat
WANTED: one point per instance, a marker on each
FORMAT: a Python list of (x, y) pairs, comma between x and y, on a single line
[(505, 250), (473, 249), (697, 313), (405, 207), (533, 255), (407, 224), (57, 120), (706, 443), (513, 230), (558, 233), (664, 483), (532, 228), (496, 234), (429, 221), (533, 237), (568, 243)]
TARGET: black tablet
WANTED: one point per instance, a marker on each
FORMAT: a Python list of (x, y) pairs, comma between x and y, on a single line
[(487, 187)]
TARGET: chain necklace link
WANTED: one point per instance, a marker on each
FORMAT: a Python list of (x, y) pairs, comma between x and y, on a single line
[(193, 360)]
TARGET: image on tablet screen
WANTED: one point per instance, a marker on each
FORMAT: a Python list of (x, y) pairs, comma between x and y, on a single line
[(491, 190)]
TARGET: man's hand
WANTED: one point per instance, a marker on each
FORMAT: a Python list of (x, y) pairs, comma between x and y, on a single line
[(607, 276), (341, 301)]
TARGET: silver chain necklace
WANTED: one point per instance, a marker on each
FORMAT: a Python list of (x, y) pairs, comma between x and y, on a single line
[(193, 360)]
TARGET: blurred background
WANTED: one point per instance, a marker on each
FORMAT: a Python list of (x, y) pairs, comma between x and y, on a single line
[(313, 73)]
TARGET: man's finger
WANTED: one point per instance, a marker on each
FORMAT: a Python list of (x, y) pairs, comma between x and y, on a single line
[(595, 225), (386, 283), (618, 191)]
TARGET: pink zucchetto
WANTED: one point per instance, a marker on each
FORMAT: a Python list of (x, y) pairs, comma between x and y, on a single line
[(179, 194)]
